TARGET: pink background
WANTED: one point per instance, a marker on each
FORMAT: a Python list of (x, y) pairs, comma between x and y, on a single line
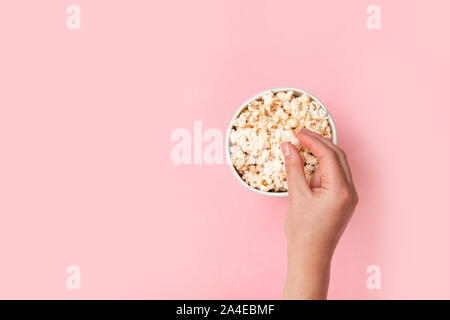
[(86, 118)]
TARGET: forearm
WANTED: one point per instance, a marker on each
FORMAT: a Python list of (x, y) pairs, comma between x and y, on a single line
[(308, 274)]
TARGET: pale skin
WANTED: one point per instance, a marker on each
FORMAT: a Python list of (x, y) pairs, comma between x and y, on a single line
[(318, 213)]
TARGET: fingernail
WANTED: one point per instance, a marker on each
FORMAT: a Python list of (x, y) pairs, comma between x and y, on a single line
[(285, 149)]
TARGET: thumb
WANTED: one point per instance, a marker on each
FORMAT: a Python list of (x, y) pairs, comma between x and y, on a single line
[(295, 174)]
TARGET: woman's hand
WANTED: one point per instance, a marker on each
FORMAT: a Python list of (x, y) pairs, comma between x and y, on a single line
[(317, 215)]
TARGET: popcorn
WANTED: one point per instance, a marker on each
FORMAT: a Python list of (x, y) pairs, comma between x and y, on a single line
[(257, 134), (305, 98), (292, 123)]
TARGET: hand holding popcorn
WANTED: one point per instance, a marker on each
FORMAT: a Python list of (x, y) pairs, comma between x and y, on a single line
[(318, 212)]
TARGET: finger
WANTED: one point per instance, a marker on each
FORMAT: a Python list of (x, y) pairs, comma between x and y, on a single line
[(341, 154), (295, 174), (345, 166), (331, 170), (314, 182)]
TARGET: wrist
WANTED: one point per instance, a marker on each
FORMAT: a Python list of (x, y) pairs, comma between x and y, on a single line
[(308, 272), (309, 253)]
